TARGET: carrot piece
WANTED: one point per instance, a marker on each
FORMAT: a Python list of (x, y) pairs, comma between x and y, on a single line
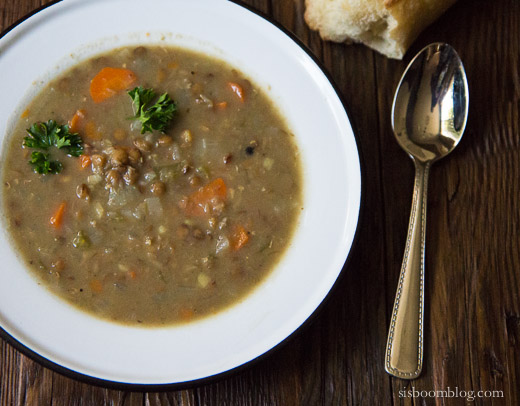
[(205, 199), (110, 81), (119, 134), (238, 90), (161, 74), (221, 105), (76, 122), (186, 314), (96, 285), (91, 131), (57, 218), (85, 161), (25, 113), (132, 274), (238, 238)]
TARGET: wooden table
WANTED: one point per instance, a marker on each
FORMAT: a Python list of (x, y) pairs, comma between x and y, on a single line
[(472, 317)]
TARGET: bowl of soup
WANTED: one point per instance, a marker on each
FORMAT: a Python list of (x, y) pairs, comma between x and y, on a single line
[(178, 197)]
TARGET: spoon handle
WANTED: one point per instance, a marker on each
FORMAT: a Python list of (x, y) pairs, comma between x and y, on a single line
[(404, 348)]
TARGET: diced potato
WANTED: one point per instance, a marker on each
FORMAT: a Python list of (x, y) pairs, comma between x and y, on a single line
[(222, 244), (154, 206), (94, 179), (149, 176), (268, 163), (186, 136), (99, 210), (203, 280)]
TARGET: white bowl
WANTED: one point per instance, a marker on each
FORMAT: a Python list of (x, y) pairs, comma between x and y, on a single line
[(73, 342)]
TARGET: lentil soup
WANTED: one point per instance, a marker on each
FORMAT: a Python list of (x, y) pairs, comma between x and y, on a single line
[(151, 185)]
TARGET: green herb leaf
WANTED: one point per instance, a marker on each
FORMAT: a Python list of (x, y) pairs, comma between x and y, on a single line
[(46, 135), (50, 134), (73, 143), (42, 163), (152, 117), (141, 97)]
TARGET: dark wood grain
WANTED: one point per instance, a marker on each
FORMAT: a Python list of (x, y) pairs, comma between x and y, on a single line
[(472, 314)]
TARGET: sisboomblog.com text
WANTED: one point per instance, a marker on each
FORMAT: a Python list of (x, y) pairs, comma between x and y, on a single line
[(449, 393)]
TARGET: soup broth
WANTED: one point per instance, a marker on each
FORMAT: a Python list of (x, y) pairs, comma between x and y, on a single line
[(177, 199)]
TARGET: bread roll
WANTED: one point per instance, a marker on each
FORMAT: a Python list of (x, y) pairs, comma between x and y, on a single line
[(388, 26)]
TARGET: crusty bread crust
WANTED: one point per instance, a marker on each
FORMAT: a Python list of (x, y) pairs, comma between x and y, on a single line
[(388, 26)]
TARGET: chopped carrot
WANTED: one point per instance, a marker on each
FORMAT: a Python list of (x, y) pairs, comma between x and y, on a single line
[(132, 274), (220, 105), (96, 285), (205, 199), (25, 113), (161, 74), (85, 161), (238, 238), (238, 90), (186, 314), (110, 81), (76, 122), (57, 218), (91, 131), (119, 134)]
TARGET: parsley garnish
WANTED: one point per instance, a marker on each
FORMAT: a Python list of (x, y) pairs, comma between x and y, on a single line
[(46, 135), (152, 117), (42, 163), (50, 134)]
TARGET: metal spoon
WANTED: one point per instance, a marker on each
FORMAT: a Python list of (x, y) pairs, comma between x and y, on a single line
[(428, 117)]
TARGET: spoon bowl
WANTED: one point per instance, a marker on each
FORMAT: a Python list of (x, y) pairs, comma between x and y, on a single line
[(429, 116), (430, 107)]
